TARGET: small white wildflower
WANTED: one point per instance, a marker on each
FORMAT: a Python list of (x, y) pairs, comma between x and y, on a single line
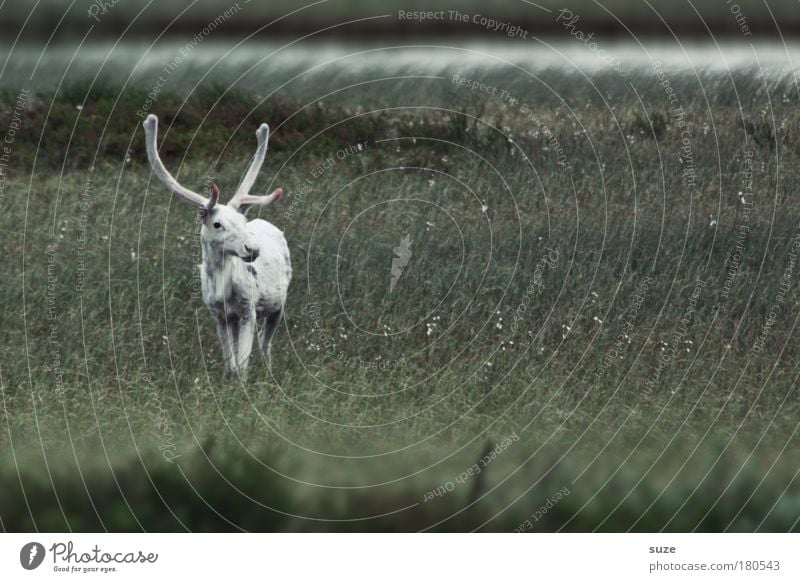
[(431, 327)]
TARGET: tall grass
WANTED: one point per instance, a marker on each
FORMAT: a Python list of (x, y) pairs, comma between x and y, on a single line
[(617, 389)]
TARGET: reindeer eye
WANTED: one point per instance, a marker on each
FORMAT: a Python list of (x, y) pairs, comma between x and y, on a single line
[(217, 225)]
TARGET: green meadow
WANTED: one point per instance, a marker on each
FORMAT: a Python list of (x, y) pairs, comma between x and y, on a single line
[(594, 329)]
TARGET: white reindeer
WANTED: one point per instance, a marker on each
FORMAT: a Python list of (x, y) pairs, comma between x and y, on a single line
[(246, 269)]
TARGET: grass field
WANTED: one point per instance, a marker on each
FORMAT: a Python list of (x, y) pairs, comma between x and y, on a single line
[(601, 300)]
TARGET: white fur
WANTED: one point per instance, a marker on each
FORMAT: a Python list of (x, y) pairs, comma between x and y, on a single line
[(246, 267)]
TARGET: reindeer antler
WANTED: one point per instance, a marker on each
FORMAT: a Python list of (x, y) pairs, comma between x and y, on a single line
[(242, 200), (214, 197), (151, 133)]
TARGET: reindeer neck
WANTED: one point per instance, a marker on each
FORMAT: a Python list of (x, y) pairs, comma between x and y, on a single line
[(213, 257)]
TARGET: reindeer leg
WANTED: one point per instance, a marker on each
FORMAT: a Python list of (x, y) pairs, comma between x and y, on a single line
[(244, 345), (226, 340), (268, 329)]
